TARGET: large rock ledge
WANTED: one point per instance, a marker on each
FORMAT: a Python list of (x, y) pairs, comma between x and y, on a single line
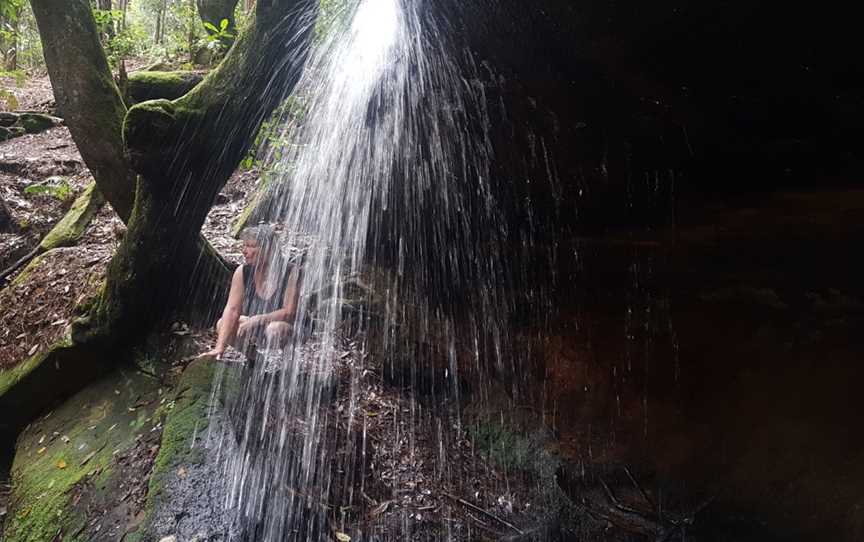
[(110, 462)]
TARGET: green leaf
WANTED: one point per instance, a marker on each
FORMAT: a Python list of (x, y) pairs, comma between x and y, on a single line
[(210, 27), (223, 25)]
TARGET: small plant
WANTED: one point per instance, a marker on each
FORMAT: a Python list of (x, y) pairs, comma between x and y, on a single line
[(58, 189), (218, 34), (218, 39)]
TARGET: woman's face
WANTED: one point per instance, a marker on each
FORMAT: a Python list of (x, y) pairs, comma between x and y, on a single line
[(251, 251)]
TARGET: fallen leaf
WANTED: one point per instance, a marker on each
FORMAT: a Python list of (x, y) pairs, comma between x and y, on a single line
[(380, 509), (41, 450), (33, 350), (342, 537), (61, 464), (65, 439)]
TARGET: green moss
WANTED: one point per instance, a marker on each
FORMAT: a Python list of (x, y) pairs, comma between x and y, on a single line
[(10, 377), (71, 227), (75, 443), (186, 418), (36, 122)]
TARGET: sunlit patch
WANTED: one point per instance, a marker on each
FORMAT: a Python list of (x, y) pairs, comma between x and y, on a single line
[(372, 36)]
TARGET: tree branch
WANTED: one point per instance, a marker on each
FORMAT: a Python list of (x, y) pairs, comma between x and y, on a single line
[(86, 95)]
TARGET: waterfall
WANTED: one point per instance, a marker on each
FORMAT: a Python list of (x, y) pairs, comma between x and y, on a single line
[(383, 163)]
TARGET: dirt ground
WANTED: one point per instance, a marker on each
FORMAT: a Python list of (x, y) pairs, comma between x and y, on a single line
[(31, 93)]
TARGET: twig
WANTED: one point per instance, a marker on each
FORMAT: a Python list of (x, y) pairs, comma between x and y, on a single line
[(641, 491), (481, 511)]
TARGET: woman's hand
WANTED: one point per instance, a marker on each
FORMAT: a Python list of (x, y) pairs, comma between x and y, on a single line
[(248, 324), (214, 353)]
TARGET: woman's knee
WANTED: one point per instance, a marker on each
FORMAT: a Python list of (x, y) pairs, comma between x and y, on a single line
[(277, 331)]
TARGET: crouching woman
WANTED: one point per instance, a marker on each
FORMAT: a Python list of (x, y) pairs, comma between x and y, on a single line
[(262, 302)]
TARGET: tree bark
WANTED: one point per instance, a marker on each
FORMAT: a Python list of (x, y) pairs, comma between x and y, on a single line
[(86, 95), (153, 85)]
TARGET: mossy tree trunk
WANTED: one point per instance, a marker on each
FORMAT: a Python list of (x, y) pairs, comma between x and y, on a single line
[(184, 151)]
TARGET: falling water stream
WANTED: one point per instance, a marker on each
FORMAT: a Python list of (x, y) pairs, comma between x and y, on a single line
[(386, 175)]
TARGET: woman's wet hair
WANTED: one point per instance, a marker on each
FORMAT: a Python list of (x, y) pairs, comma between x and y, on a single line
[(263, 234)]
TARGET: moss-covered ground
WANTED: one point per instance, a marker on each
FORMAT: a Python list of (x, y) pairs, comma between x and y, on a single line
[(74, 444)]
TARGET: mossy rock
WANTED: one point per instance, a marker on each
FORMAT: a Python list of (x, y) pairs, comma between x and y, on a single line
[(11, 132), (153, 85), (73, 447), (33, 123), (7, 118), (71, 227), (10, 377), (187, 473)]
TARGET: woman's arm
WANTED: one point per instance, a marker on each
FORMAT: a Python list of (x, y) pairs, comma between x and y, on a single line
[(231, 314)]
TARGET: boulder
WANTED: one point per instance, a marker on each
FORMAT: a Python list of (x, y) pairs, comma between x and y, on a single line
[(34, 123)]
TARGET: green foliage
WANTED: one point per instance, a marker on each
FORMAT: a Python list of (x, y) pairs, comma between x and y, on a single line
[(106, 18), (19, 76), (127, 43), (217, 40), (57, 188), (332, 14), (9, 9), (218, 33), (276, 134), (19, 37)]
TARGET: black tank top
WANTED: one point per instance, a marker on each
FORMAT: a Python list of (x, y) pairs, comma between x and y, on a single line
[(252, 304)]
